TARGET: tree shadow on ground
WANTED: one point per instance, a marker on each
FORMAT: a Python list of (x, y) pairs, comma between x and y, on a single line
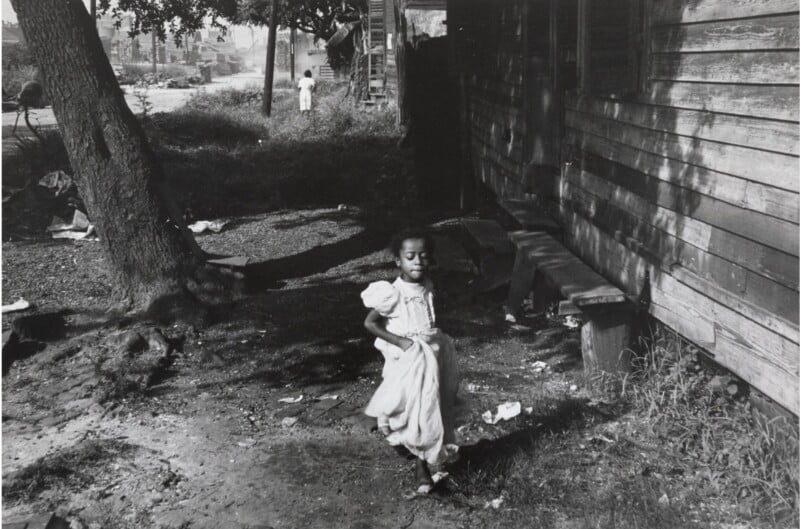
[(264, 275)]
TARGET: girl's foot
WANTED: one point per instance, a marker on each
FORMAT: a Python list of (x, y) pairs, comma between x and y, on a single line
[(423, 475), (383, 427)]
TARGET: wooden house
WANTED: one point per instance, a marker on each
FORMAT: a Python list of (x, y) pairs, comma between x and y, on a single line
[(663, 136)]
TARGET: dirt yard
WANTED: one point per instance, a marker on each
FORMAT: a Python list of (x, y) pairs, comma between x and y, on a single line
[(253, 419), (210, 444)]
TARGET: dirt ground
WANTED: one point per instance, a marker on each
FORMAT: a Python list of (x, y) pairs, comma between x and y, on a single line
[(209, 442), (116, 423)]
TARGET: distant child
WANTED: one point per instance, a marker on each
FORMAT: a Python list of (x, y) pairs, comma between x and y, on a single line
[(415, 402), (306, 86)]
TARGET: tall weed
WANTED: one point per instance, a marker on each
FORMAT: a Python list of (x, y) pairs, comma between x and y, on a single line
[(704, 416)]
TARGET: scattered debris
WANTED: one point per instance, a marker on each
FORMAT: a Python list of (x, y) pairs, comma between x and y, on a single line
[(664, 499), (211, 225), (328, 396), (494, 504), (79, 228), (236, 261), (529, 410), (510, 318), (288, 422), (505, 411), (573, 388), (18, 305), (540, 367), (77, 235), (248, 443), (571, 322), (291, 400), (58, 182)]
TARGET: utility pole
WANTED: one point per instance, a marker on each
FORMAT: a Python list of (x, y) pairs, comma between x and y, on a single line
[(270, 67), (291, 52), (155, 54)]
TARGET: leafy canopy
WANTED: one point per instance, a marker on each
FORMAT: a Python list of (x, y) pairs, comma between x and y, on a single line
[(178, 17), (317, 17)]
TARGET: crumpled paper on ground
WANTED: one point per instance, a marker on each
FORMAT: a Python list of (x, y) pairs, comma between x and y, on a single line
[(505, 411), (20, 304), (212, 225)]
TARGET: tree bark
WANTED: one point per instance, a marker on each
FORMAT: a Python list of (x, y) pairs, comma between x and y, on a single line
[(270, 67), (150, 252)]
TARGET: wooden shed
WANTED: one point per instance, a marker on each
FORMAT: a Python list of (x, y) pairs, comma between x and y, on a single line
[(663, 136)]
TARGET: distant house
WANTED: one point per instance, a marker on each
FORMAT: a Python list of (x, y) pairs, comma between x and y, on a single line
[(12, 34), (663, 136)]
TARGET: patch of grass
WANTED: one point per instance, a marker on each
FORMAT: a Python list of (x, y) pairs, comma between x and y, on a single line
[(75, 467), (224, 157), (743, 457), (671, 445)]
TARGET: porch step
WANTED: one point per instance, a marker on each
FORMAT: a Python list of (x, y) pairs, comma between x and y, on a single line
[(491, 250), (525, 214), (488, 235)]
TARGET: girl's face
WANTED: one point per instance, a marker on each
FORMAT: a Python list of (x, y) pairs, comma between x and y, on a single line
[(413, 260)]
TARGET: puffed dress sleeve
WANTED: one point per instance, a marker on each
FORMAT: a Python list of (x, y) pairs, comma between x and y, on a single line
[(381, 296)]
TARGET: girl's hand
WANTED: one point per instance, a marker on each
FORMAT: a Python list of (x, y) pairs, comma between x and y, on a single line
[(405, 344)]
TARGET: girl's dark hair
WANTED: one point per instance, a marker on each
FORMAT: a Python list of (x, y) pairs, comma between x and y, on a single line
[(307, 73), (411, 233)]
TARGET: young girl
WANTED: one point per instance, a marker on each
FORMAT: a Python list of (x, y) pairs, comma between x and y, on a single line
[(414, 404)]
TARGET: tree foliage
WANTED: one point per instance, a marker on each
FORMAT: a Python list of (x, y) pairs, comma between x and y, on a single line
[(318, 17), (176, 17)]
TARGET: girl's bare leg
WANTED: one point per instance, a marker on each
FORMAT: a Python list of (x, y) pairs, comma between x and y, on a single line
[(423, 473)]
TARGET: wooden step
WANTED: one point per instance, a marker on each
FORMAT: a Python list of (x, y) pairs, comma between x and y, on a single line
[(488, 235), (576, 281), (527, 215), (489, 247)]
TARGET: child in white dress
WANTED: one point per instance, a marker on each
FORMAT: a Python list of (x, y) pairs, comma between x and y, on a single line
[(415, 402)]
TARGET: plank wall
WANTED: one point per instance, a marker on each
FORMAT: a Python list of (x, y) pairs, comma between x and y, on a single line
[(696, 180), (494, 84)]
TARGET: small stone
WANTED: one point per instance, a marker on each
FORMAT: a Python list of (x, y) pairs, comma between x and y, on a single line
[(664, 499)]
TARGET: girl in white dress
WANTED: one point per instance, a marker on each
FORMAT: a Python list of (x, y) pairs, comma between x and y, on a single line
[(415, 402)]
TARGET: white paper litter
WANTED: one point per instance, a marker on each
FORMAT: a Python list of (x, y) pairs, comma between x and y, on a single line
[(505, 411), (328, 396), (20, 304), (289, 421), (494, 504), (571, 322), (291, 400), (539, 366), (212, 225)]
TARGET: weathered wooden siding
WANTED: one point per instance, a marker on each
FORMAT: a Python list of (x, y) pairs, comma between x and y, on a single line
[(681, 159), (494, 84), (697, 180)]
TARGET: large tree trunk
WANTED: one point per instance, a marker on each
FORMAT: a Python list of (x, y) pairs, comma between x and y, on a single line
[(150, 252)]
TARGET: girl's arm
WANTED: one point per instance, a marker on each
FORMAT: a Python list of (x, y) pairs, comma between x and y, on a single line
[(374, 323)]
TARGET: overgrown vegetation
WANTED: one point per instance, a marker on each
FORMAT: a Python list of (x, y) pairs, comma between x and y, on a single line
[(675, 443), (740, 455), (220, 141), (18, 67)]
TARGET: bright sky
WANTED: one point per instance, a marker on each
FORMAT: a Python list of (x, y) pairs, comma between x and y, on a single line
[(8, 13)]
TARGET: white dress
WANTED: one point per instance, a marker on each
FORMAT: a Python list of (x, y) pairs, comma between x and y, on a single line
[(306, 84), (418, 392)]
